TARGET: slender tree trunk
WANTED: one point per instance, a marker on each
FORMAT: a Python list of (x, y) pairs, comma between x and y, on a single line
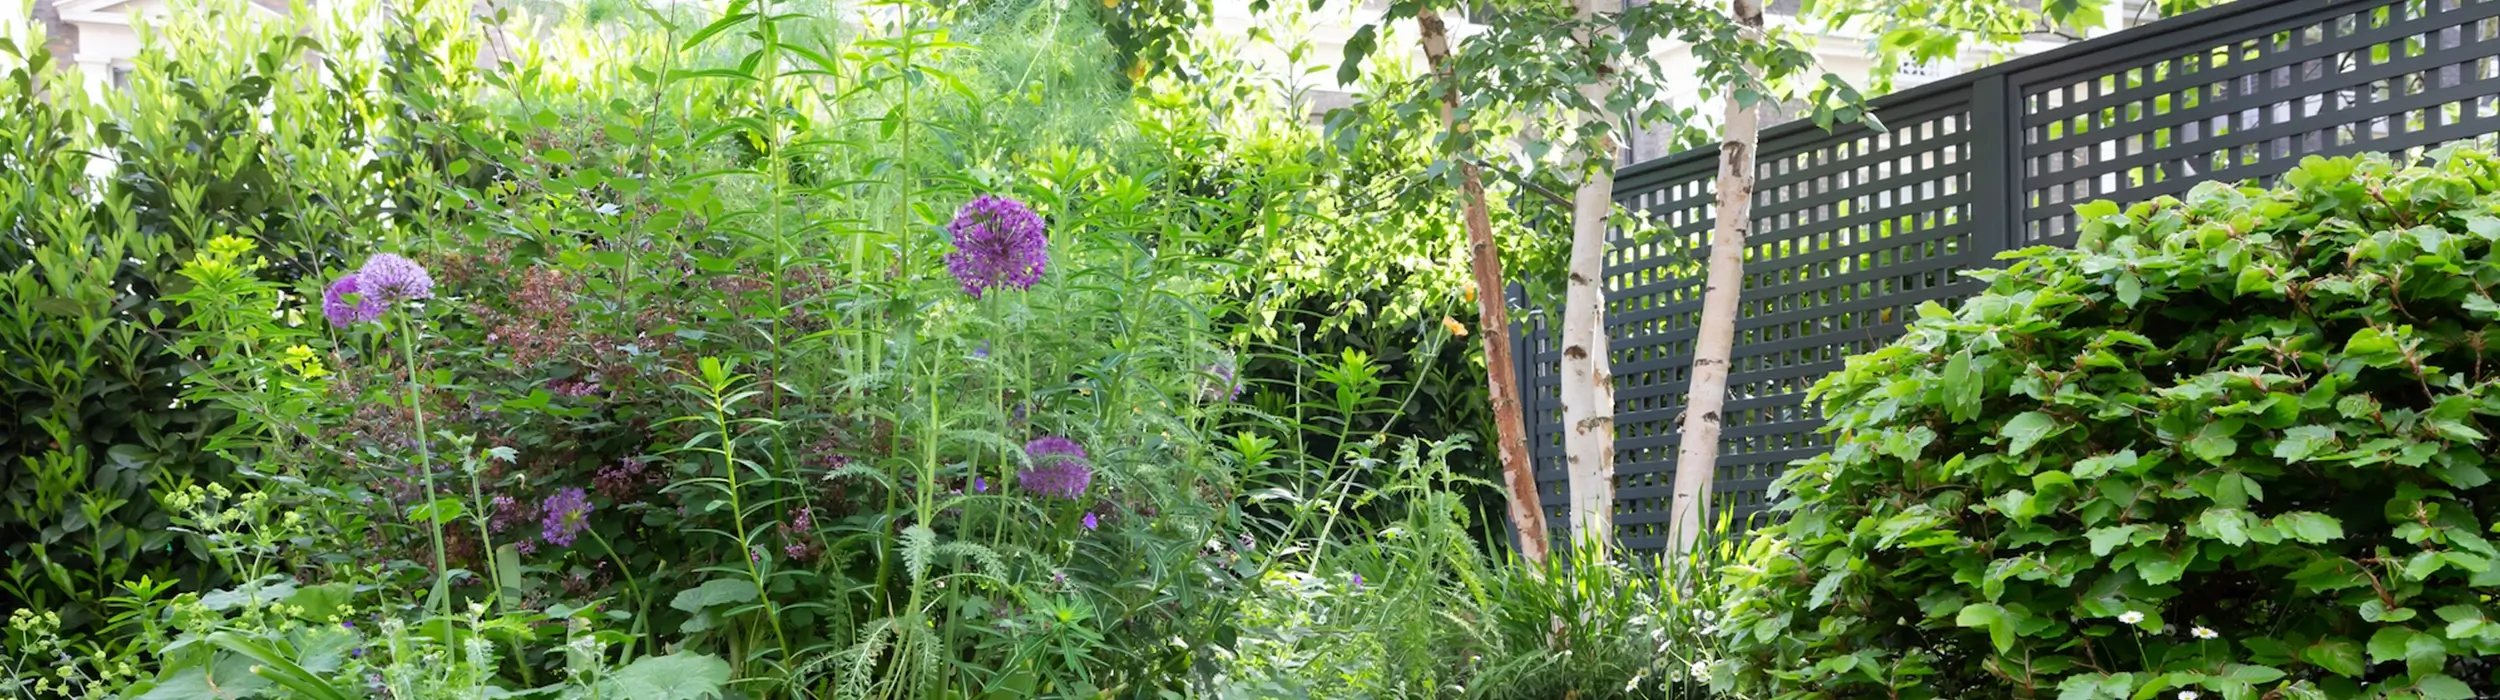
[(1697, 459), (1588, 391), (1518, 474)]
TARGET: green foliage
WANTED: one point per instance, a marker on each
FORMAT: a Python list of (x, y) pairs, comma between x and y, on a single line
[(2236, 445), (696, 408), (219, 133)]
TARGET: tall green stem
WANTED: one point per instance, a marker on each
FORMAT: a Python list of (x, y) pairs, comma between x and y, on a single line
[(738, 511), (425, 465), (485, 538), (642, 604)]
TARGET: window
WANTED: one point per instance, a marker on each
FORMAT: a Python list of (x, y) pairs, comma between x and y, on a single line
[(1916, 74)]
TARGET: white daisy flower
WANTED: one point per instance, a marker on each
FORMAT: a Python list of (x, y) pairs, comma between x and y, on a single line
[(2203, 632), (2131, 617), (1701, 669), (2189, 695)]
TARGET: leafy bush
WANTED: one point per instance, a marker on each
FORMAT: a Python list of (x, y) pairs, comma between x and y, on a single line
[(2234, 446), (91, 429)]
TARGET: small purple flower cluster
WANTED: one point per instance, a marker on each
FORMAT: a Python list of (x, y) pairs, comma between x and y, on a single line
[(574, 389), (798, 535), (625, 481), (999, 242), (1222, 383), (1059, 468), (365, 294), (564, 516)]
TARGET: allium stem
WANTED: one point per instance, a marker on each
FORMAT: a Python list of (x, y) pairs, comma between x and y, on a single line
[(425, 464), (486, 540), (642, 605)]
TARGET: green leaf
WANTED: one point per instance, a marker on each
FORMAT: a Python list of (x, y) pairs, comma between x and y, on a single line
[(277, 667), (442, 510), (2313, 528), (2213, 441), (1961, 388), (719, 591), (2026, 430), (1999, 622), (319, 603), (1826, 588), (2300, 442), (2229, 525), (2337, 655), (2105, 539), (1357, 48), (679, 676), (2441, 687), (2389, 643)]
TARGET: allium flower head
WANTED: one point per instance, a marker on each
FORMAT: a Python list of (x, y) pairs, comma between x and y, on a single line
[(1059, 468), (998, 243), (393, 279), (567, 514), (347, 303)]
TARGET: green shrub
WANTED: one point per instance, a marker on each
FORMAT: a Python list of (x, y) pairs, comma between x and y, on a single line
[(2230, 447), (218, 132)]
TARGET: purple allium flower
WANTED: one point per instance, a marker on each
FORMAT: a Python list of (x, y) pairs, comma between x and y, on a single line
[(998, 243), (393, 279), (347, 304), (1059, 468), (1091, 522), (567, 514)]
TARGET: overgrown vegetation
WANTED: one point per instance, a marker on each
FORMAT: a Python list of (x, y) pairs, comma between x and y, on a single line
[(804, 351), (1022, 349)]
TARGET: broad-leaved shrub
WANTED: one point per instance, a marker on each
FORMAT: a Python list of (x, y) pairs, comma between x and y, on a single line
[(2231, 446)]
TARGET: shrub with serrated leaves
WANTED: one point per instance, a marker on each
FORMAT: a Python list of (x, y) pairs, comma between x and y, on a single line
[(2229, 447)]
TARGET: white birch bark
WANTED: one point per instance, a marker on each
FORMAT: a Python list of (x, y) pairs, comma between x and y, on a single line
[(1588, 393), (1696, 459)]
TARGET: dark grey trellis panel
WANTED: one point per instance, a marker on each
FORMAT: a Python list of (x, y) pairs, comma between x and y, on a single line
[(1854, 229)]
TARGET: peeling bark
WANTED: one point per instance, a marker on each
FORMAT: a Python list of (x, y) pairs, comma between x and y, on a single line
[(1697, 458), (1518, 474)]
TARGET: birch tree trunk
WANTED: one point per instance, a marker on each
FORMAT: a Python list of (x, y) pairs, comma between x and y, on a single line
[(1493, 318), (1697, 458), (1588, 392)]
